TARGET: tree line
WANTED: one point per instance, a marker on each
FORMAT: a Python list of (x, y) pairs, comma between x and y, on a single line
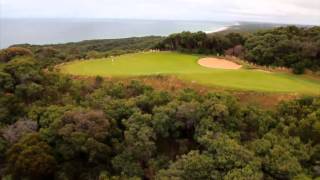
[(49, 55), (292, 47), (53, 127)]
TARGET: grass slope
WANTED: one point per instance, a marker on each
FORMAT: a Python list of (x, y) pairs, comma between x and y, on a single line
[(186, 67)]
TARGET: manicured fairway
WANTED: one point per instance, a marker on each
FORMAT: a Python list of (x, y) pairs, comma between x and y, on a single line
[(186, 67)]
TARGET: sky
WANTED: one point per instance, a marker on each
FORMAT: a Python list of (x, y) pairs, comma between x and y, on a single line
[(278, 11)]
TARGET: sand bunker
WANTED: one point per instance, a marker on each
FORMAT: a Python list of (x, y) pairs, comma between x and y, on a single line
[(218, 63)]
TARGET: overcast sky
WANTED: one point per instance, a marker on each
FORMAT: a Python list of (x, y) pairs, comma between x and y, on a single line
[(284, 11)]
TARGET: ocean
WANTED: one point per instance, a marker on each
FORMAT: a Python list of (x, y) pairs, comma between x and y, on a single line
[(52, 31)]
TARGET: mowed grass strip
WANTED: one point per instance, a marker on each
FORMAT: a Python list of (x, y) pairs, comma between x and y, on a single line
[(186, 67), (136, 64)]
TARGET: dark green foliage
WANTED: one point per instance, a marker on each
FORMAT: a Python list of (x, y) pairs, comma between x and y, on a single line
[(228, 153), (299, 115), (55, 127), (138, 146), (282, 156), (292, 47), (6, 82), (9, 53), (31, 157), (49, 55), (201, 42), (191, 166), (133, 131)]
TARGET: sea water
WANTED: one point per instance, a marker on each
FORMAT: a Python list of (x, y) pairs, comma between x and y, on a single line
[(52, 31)]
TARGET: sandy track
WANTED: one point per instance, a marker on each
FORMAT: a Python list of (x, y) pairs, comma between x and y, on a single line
[(218, 63)]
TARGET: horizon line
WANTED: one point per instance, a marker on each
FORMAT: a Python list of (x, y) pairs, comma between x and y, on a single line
[(156, 19)]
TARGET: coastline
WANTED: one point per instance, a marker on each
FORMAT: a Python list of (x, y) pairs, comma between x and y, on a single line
[(224, 28), (218, 30), (31, 31)]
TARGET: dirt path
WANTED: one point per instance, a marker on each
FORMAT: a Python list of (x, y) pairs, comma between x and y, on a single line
[(218, 63)]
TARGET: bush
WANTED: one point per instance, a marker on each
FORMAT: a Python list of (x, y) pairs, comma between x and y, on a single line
[(9, 53)]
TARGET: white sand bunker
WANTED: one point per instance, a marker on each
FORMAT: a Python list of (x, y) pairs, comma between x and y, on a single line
[(218, 63)]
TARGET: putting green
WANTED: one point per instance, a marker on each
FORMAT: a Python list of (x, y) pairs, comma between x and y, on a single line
[(186, 67)]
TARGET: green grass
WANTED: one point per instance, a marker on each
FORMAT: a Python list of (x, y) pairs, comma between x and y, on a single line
[(186, 67)]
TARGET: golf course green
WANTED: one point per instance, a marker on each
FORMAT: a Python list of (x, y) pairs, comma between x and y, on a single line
[(185, 66)]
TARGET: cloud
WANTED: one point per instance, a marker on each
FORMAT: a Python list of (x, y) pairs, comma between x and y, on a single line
[(288, 11)]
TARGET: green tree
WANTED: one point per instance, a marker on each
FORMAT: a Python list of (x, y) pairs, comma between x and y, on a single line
[(138, 146), (31, 158), (191, 166), (80, 134), (230, 156), (9, 53), (282, 157)]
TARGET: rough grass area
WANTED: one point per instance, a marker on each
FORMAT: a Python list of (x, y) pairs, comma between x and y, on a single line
[(186, 67)]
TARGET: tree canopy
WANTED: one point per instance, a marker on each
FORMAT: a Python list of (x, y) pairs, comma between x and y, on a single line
[(55, 127)]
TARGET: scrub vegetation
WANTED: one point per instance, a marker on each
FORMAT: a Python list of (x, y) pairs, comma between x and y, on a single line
[(57, 126)]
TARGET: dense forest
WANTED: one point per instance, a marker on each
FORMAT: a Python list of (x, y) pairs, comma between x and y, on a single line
[(291, 46), (55, 127)]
